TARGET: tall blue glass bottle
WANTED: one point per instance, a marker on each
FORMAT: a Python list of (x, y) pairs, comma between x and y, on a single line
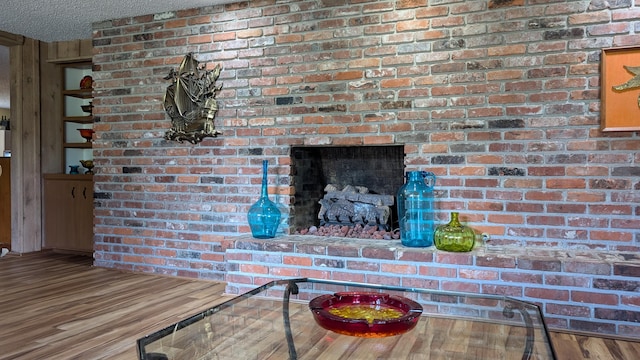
[(264, 215), (415, 209)]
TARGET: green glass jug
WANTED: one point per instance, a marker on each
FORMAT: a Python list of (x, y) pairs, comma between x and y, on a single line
[(454, 236)]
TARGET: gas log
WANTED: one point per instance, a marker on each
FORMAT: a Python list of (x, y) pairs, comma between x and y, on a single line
[(354, 205), (354, 232)]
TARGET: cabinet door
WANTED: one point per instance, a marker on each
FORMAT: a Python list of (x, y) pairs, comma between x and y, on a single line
[(5, 202), (83, 207), (57, 208), (68, 214)]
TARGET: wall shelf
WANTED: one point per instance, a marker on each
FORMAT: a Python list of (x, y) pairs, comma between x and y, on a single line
[(74, 97), (78, 119), (85, 145), (80, 94)]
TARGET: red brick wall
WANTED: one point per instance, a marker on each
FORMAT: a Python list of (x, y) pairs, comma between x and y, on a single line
[(502, 103)]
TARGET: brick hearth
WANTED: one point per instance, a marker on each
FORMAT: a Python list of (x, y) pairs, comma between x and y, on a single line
[(571, 287)]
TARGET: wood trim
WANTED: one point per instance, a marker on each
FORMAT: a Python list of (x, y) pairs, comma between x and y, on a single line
[(9, 39), (73, 51), (26, 177)]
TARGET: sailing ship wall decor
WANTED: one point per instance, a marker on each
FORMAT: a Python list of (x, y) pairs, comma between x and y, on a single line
[(190, 101)]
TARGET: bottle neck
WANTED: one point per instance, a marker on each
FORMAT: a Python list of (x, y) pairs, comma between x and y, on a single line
[(264, 178), (454, 218), (414, 176)]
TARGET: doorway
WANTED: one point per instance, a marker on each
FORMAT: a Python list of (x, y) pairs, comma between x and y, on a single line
[(5, 149)]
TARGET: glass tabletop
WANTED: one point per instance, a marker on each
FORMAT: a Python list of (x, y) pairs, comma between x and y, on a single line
[(323, 319)]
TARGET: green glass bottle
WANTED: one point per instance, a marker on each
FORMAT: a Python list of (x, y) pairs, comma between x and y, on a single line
[(454, 236)]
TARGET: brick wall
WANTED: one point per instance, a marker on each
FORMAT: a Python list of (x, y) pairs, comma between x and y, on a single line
[(501, 102)]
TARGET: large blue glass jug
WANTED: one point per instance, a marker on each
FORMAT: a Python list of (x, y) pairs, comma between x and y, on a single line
[(264, 215), (415, 209)]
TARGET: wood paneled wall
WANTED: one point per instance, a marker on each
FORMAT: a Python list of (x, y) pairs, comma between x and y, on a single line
[(32, 80), (26, 203), (68, 51)]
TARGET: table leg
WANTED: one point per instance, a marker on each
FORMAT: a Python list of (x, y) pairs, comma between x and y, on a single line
[(508, 312), (292, 288)]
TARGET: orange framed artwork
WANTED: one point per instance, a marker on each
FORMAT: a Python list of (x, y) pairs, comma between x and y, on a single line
[(620, 110)]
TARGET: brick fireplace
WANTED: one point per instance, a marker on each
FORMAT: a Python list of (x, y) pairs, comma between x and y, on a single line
[(380, 169), (500, 101)]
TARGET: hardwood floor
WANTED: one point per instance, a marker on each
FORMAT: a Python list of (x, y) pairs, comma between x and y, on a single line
[(571, 346), (57, 306)]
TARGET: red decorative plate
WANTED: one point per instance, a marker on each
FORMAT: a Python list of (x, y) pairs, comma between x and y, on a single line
[(365, 314), (86, 82)]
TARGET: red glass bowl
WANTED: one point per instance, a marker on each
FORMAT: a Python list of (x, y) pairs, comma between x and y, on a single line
[(322, 307), (87, 134)]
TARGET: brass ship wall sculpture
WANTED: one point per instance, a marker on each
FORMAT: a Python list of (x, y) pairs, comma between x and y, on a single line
[(633, 83), (190, 101)]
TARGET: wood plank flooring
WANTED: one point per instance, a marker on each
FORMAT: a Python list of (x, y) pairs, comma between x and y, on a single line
[(572, 346), (58, 306)]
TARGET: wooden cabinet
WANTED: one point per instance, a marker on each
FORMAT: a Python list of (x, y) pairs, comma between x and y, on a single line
[(5, 202), (68, 212), (68, 195)]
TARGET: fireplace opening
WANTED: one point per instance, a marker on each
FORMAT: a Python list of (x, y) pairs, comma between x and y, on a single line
[(351, 188)]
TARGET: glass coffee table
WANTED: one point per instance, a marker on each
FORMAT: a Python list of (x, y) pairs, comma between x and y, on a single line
[(324, 319)]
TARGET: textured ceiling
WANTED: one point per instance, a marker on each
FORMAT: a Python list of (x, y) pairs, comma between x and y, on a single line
[(56, 20), (60, 20)]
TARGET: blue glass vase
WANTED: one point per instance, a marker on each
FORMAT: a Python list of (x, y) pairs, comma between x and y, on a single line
[(264, 215), (415, 209)]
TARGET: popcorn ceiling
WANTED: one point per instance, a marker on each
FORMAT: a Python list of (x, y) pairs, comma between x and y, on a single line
[(61, 20)]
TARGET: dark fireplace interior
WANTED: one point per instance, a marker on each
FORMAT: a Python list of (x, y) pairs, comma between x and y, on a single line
[(380, 169)]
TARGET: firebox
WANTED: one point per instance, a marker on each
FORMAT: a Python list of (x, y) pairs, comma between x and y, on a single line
[(331, 183)]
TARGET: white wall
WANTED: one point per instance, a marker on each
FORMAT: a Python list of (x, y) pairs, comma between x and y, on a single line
[(4, 77)]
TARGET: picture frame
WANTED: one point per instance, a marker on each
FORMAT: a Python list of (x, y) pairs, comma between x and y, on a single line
[(620, 89)]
